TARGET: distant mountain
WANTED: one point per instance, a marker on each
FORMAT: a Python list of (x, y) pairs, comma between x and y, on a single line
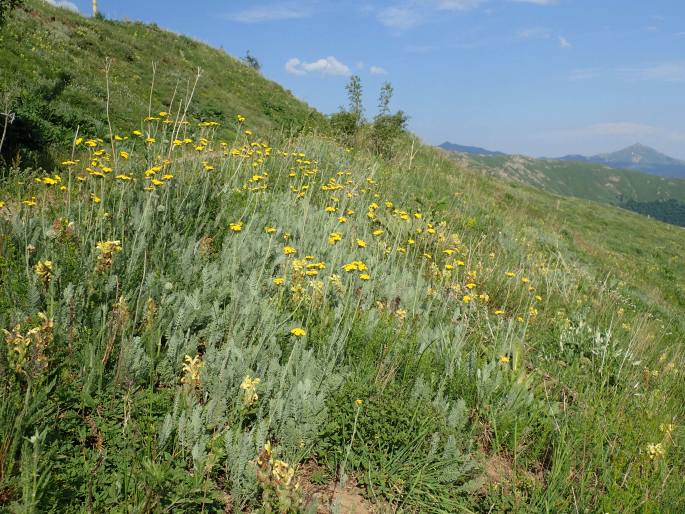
[(636, 157), (659, 197), (474, 150)]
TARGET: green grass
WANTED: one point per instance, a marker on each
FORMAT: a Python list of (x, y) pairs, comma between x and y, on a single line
[(53, 66), (509, 351)]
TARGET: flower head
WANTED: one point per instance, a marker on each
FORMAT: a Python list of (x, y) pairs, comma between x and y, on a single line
[(44, 270), (191, 370), (249, 386)]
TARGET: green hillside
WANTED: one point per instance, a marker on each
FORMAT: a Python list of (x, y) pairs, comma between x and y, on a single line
[(53, 68), (245, 318), (631, 189)]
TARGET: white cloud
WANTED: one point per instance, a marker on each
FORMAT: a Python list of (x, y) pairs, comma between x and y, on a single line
[(585, 73), (400, 17), (534, 33), (326, 66), (377, 70), (667, 72), (537, 2), (271, 12), (410, 13), (563, 42), (457, 5), (64, 4)]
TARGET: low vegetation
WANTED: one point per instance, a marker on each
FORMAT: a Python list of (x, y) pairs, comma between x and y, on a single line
[(211, 314)]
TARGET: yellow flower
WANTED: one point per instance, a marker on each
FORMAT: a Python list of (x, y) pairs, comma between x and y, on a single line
[(470, 285), (298, 332), (355, 266), (365, 276), (270, 230), (361, 243), (236, 227), (358, 402), (377, 232), (106, 251), (124, 154), (655, 451), (95, 198), (278, 281), (667, 428), (289, 250), (499, 312), (467, 298), (510, 274), (334, 237), (123, 177), (191, 370), (249, 385), (504, 359), (525, 280), (44, 270)]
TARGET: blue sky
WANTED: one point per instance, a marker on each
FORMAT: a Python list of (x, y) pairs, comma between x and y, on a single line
[(540, 77)]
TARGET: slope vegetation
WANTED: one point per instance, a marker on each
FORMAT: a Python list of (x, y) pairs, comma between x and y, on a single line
[(243, 319), (53, 69)]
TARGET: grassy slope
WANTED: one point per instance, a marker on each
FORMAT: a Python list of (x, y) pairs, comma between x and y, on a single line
[(582, 180), (42, 44), (594, 367)]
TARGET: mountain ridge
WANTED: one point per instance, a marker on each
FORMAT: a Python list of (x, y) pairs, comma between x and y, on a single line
[(636, 157), (476, 150)]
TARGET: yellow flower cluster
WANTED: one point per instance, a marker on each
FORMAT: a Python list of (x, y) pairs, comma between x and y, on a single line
[(43, 271), (35, 340), (249, 387), (106, 251), (191, 370)]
